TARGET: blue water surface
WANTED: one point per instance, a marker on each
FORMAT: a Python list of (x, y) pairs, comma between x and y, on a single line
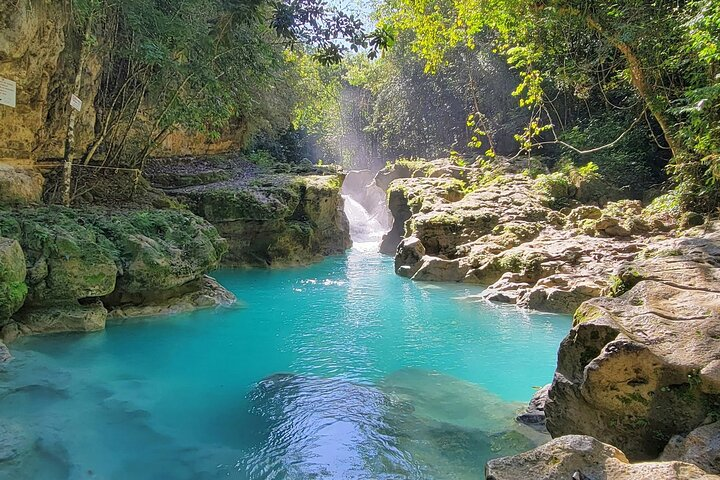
[(339, 370)]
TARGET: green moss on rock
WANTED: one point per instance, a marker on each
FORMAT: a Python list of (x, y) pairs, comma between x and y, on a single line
[(13, 289), (77, 254)]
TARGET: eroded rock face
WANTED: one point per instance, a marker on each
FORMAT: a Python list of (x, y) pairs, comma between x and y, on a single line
[(269, 219), (203, 293), (78, 264), (555, 272), (580, 457), (642, 367)]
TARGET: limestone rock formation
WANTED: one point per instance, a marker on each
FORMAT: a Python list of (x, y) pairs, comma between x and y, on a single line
[(78, 264), (577, 457), (20, 185), (37, 53), (495, 227), (203, 293), (700, 447), (642, 367), (268, 218)]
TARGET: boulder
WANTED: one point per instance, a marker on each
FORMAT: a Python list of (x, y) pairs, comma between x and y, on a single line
[(700, 447), (435, 269), (205, 293), (645, 366), (578, 457), (409, 255), (20, 185), (5, 355), (534, 414), (63, 318)]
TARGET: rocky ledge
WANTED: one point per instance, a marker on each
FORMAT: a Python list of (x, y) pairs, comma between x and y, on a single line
[(272, 216), (642, 367), (65, 269), (503, 229)]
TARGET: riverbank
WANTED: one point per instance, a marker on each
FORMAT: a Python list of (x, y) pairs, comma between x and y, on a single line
[(638, 369), (131, 248)]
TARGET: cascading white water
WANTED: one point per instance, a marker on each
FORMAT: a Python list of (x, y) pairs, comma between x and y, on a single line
[(365, 209), (364, 227)]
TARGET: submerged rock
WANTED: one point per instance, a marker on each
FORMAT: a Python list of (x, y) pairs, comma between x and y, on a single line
[(577, 457), (318, 427), (14, 442), (414, 424)]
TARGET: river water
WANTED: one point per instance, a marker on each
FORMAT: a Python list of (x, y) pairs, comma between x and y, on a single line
[(341, 370)]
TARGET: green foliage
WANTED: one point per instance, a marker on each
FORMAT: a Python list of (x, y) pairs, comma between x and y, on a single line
[(666, 204), (650, 65), (635, 162), (557, 186), (262, 158)]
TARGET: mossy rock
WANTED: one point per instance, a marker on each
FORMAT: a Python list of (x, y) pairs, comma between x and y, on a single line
[(158, 250), (79, 261), (13, 289), (75, 254), (254, 202), (64, 317)]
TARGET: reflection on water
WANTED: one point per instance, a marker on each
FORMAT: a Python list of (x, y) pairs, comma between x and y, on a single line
[(415, 424), (387, 379)]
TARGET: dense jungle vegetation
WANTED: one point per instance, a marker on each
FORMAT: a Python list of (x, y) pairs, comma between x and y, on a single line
[(633, 87)]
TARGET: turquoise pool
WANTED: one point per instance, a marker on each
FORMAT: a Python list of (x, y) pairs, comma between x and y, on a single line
[(341, 370)]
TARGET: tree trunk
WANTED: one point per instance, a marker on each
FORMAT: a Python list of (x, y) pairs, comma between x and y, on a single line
[(70, 138), (644, 89)]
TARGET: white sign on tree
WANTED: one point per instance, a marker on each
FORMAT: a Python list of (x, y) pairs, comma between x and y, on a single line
[(8, 92), (75, 102)]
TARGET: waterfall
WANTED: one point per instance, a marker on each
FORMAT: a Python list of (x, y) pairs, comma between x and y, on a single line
[(364, 227), (365, 208)]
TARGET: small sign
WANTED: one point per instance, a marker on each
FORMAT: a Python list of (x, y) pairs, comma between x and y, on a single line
[(8, 90), (75, 102)]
